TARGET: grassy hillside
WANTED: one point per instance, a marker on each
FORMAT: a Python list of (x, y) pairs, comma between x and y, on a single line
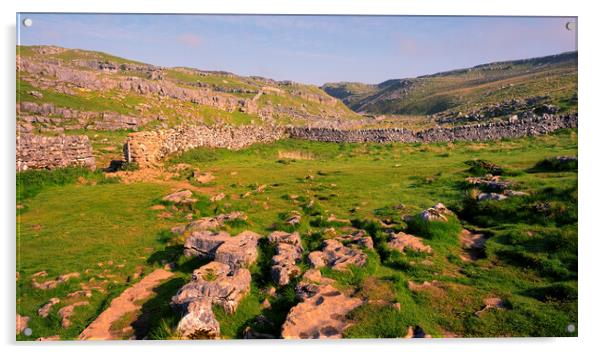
[(278, 102), (466, 89)]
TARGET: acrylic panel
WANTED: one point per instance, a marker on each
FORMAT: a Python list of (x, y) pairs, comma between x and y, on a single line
[(295, 177)]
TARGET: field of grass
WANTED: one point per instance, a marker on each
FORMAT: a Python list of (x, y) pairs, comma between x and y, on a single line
[(70, 224)]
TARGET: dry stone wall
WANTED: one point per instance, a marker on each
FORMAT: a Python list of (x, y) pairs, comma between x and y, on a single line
[(476, 132), (48, 152), (149, 147)]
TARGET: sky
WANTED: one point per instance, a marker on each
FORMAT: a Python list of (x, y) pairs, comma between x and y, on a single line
[(307, 49)]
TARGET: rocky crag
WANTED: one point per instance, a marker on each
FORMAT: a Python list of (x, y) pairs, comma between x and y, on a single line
[(50, 118), (139, 93)]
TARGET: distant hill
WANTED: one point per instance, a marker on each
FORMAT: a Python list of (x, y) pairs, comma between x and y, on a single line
[(72, 89), (553, 77)]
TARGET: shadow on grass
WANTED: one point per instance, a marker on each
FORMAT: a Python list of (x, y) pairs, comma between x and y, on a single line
[(157, 309)]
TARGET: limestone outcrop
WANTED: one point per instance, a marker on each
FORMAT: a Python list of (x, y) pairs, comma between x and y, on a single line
[(222, 282), (209, 222), (50, 117), (337, 256), (288, 253), (402, 241), (238, 251), (217, 283), (322, 311), (199, 321)]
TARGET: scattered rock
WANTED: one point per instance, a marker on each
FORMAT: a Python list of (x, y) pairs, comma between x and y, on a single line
[(238, 251), (437, 213), (333, 218), (50, 338), (271, 291), (316, 259), (265, 304), (63, 278), (491, 196), (181, 197), (80, 293), (209, 223), (40, 274), (22, 322), (204, 243), (320, 314), (199, 322), (170, 266), (66, 312), (217, 283), (294, 219), (51, 284), (217, 197), (434, 285), (165, 215), (401, 241), (337, 256), (360, 238), (489, 182), (511, 193), (45, 310), (204, 177), (36, 94), (288, 252)]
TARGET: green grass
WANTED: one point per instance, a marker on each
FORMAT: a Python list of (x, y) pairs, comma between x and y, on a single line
[(172, 111), (82, 101), (464, 89), (530, 259), (32, 182), (72, 228)]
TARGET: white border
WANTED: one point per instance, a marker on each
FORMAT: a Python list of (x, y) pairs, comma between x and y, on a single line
[(589, 156)]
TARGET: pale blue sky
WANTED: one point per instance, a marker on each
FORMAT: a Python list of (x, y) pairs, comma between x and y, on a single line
[(309, 49)]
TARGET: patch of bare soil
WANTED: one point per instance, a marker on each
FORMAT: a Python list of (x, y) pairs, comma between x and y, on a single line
[(159, 176), (129, 301)]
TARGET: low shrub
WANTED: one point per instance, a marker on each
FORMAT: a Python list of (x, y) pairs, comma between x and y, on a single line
[(554, 292), (480, 167), (556, 164)]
